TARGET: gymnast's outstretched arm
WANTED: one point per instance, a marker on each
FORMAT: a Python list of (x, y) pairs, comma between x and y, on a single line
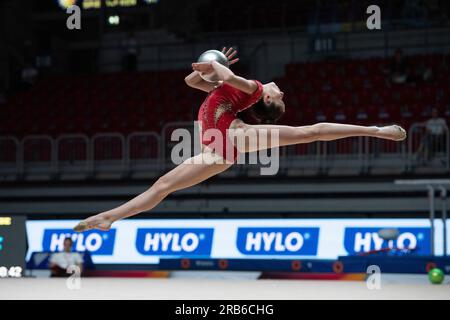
[(226, 75), (194, 80)]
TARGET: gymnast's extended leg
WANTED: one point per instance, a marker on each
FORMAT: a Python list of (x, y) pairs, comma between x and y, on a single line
[(183, 176), (288, 135)]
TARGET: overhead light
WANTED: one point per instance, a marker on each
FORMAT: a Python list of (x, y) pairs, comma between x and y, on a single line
[(64, 4), (114, 20)]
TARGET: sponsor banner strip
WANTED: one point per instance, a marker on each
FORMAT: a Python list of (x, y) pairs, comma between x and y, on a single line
[(145, 241)]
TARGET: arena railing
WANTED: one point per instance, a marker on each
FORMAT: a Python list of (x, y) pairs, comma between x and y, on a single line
[(73, 154), (384, 156), (142, 153), (347, 157), (426, 151), (10, 155), (38, 155), (344, 156), (167, 143), (305, 158), (108, 153)]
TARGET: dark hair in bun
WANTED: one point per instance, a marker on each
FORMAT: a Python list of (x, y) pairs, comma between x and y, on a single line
[(267, 113)]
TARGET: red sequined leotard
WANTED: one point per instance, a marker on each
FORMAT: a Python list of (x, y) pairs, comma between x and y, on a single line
[(219, 110)]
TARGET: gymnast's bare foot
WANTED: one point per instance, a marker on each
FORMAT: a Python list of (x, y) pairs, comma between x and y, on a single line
[(394, 132), (95, 222)]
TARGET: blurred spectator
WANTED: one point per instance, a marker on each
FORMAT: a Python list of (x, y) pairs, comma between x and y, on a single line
[(130, 47), (436, 125), (60, 261), (434, 138), (29, 76), (398, 68)]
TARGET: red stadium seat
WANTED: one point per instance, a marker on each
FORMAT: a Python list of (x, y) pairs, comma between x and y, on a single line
[(351, 90)]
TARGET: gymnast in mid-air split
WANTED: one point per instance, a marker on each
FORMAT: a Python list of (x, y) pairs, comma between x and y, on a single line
[(228, 96)]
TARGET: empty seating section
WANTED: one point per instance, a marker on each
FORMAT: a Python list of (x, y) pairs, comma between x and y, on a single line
[(72, 148), (359, 91), (100, 103), (128, 118), (263, 14), (354, 91)]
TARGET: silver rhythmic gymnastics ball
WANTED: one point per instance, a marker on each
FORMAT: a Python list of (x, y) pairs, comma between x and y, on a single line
[(212, 55)]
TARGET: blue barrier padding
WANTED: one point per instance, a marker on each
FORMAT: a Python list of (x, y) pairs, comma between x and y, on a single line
[(393, 264), (247, 265), (350, 264)]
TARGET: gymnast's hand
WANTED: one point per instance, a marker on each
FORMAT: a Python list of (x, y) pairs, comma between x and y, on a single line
[(230, 54), (207, 67), (203, 67)]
